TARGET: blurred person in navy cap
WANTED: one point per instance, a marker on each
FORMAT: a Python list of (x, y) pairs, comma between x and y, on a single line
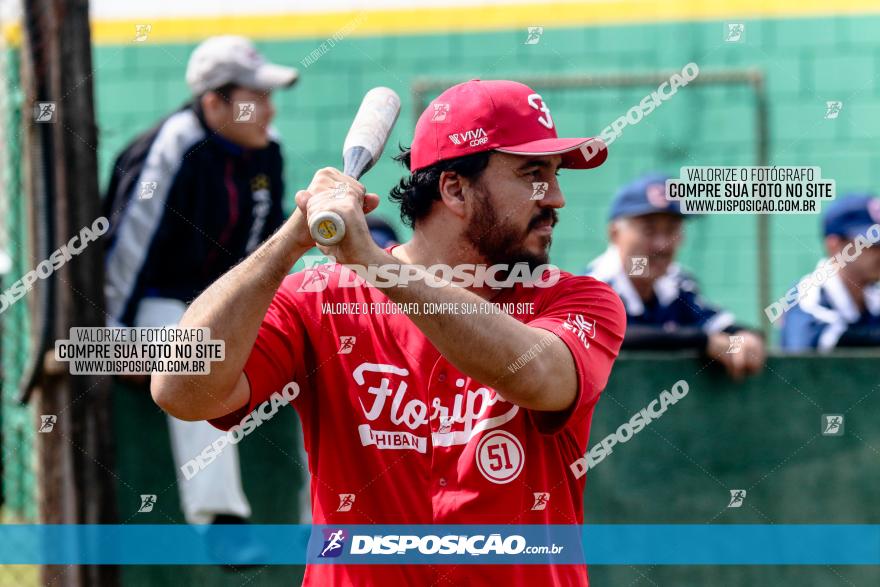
[(664, 308), (838, 304), (382, 232)]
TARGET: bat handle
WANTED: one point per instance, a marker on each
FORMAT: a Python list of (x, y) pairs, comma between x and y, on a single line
[(327, 227)]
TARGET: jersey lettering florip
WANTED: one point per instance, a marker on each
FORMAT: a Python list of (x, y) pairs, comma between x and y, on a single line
[(397, 435)]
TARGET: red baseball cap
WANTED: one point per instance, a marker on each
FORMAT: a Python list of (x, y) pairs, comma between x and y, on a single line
[(498, 115)]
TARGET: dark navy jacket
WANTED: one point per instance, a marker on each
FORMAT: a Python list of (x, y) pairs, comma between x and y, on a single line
[(185, 205), (826, 317), (677, 318)]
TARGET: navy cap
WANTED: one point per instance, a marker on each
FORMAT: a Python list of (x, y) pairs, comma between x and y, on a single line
[(646, 195), (382, 232), (851, 215)]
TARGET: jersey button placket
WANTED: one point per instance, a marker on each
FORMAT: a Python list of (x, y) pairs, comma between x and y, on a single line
[(442, 482), (440, 465)]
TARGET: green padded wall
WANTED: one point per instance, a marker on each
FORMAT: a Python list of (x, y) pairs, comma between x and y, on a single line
[(763, 436), (806, 62)]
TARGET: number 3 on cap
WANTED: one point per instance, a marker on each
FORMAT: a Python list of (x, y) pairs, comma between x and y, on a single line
[(533, 102)]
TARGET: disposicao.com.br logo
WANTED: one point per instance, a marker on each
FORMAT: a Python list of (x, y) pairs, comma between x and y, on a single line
[(319, 269), (431, 544)]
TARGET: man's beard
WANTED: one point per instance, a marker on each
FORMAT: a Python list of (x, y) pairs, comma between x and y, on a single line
[(500, 242)]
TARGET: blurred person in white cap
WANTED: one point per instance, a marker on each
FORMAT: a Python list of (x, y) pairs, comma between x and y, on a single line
[(188, 200)]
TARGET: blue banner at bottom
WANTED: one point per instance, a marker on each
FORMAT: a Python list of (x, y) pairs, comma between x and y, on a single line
[(437, 544)]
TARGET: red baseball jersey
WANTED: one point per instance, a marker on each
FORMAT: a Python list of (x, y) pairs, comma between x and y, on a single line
[(397, 435)]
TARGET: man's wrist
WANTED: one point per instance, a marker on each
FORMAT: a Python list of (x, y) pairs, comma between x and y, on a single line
[(714, 345), (280, 253), (375, 255)]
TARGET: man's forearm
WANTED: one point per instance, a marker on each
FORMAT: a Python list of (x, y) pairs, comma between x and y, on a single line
[(233, 309), (483, 344)]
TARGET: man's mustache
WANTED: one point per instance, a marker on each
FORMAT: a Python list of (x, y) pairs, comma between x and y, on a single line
[(544, 216)]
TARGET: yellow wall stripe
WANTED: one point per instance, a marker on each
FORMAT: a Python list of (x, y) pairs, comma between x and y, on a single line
[(465, 19)]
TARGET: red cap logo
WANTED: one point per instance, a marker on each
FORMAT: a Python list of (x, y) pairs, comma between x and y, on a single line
[(497, 115)]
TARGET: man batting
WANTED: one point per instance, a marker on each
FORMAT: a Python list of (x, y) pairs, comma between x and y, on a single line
[(427, 418)]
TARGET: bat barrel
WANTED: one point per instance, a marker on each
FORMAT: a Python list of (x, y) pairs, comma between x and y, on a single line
[(362, 148)]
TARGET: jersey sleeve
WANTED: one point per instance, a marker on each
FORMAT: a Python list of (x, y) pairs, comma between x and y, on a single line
[(277, 357), (590, 319)]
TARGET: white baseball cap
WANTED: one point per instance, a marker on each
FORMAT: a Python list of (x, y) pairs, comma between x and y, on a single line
[(232, 59)]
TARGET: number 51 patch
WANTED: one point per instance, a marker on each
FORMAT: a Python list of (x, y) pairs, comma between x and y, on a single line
[(500, 457)]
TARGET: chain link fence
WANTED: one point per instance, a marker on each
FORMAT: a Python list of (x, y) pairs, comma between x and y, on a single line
[(17, 470)]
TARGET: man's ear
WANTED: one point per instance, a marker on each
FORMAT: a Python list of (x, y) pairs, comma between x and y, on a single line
[(451, 187), (212, 102), (682, 233), (612, 232), (834, 244)]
